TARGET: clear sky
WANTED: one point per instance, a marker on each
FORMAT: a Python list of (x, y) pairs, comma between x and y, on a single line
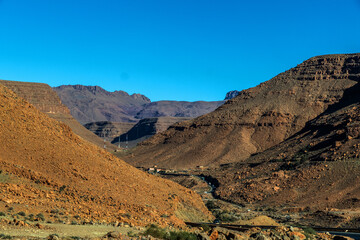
[(169, 49)]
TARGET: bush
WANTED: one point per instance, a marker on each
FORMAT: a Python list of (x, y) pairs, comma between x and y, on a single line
[(181, 235), (21, 214), (31, 217), (309, 231), (54, 211), (227, 217), (40, 216), (157, 232), (2, 214), (3, 236)]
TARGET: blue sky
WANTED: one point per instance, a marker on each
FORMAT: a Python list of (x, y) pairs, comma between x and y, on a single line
[(169, 49)]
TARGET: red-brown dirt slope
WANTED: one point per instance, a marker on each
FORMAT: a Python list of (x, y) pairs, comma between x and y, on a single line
[(56, 169)]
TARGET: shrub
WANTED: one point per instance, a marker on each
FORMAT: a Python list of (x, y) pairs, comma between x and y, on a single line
[(182, 235), (211, 205), (40, 216), (205, 227), (3, 236), (21, 214), (157, 232), (2, 214), (132, 234), (309, 231), (30, 217), (227, 217), (54, 211), (10, 208)]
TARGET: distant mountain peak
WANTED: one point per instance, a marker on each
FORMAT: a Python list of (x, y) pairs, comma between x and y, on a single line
[(231, 94)]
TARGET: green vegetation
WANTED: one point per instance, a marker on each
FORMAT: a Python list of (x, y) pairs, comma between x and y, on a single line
[(222, 215), (157, 232), (40, 216), (132, 234), (62, 188), (21, 213), (30, 217), (309, 232), (2, 214), (3, 236)]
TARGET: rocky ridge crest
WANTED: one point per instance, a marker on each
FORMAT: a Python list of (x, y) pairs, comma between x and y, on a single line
[(257, 119)]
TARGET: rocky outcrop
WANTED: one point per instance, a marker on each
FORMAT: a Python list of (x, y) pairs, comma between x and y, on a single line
[(231, 94), (53, 168), (93, 103), (315, 167), (144, 129), (257, 119), (177, 109), (109, 130)]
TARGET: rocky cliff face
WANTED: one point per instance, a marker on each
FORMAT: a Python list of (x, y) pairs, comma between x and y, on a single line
[(231, 94), (94, 104), (145, 129), (177, 109), (315, 167), (109, 130), (255, 120)]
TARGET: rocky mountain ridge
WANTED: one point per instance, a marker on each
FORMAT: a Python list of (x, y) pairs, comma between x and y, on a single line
[(257, 119), (317, 167), (94, 104), (231, 94)]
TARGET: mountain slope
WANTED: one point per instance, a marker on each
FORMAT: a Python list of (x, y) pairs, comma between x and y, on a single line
[(146, 128), (318, 166), (258, 118), (93, 103), (177, 109), (56, 169), (44, 98)]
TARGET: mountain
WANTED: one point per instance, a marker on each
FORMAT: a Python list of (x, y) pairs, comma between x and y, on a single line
[(46, 167), (257, 119), (93, 103), (317, 167), (146, 128), (231, 94), (177, 109), (44, 98), (109, 130)]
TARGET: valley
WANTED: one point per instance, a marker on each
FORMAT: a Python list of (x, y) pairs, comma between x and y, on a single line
[(284, 153)]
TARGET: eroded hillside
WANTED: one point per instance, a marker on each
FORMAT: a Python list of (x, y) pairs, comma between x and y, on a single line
[(318, 167), (52, 168), (44, 98), (255, 120)]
